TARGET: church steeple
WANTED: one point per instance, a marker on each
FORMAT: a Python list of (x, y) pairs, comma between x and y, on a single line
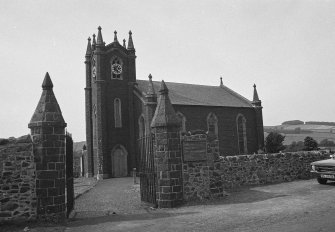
[(89, 47), (255, 100), (130, 42), (100, 41)]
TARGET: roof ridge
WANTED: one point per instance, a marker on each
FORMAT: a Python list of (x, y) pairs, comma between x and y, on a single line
[(181, 83)]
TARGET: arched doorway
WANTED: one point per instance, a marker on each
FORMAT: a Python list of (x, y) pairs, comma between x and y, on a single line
[(119, 161)]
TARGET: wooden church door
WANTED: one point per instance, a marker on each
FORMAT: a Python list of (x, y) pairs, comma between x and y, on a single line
[(119, 162)]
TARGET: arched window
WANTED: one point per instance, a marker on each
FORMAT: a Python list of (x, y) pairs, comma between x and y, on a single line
[(182, 120), (116, 68), (212, 124), (141, 127), (117, 113), (242, 134)]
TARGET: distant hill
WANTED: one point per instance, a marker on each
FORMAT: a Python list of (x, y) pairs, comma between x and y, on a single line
[(320, 123), (293, 122), (297, 130)]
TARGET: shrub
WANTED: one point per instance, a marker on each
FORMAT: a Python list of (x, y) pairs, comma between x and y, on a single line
[(274, 142)]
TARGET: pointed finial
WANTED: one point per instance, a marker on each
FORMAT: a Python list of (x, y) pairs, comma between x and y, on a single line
[(94, 42), (255, 98), (115, 36), (47, 83), (99, 38), (151, 89), (130, 42), (89, 48), (164, 116), (124, 43), (221, 83)]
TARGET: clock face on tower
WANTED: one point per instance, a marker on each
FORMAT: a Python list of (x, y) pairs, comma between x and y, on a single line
[(116, 69)]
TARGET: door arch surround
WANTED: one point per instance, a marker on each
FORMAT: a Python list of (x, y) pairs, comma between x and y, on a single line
[(119, 160)]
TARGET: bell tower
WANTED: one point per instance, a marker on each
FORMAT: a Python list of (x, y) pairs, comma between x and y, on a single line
[(110, 78)]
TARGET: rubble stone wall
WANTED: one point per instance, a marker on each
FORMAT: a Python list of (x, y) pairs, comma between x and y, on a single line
[(238, 171), (212, 176), (17, 180)]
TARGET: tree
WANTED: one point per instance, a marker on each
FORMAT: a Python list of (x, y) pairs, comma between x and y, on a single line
[(310, 144), (274, 142), (326, 143), (295, 146)]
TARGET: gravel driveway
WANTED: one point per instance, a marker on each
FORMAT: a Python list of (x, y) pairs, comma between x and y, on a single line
[(114, 205), (294, 206)]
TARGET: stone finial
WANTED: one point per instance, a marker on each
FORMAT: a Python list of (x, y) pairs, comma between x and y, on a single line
[(99, 38), (89, 47), (94, 42), (47, 83), (165, 115), (130, 42), (221, 83), (151, 89), (124, 43), (115, 37), (255, 100), (47, 110)]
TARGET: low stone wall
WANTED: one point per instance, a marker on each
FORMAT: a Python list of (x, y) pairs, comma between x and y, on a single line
[(17, 180), (245, 170), (206, 175)]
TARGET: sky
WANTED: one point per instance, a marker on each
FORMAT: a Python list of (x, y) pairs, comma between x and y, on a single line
[(287, 48)]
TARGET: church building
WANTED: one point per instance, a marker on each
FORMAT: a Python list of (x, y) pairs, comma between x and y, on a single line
[(119, 109)]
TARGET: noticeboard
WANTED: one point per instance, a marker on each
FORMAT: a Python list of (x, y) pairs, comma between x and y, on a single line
[(194, 150)]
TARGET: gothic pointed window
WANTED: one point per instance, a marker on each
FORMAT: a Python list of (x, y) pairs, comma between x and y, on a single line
[(182, 120), (117, 113), (212, 124), (141, 127), (242, 134), (116, 68)]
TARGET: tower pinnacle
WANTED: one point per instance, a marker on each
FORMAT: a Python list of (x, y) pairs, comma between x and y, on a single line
[(94, 42), (89, 48), (221, 83), (255, 100), (130, 42), (99, 38), (150, 90), (124, 43), (115, 37)]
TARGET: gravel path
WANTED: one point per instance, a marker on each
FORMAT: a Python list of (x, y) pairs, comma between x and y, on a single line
[(110, 197)]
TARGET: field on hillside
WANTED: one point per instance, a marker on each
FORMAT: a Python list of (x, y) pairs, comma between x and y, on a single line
[(289, 138)]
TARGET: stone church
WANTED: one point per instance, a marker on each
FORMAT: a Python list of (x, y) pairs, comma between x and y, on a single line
[(119, 110)]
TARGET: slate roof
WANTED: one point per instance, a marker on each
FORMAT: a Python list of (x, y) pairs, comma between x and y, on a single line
[(200, 95)]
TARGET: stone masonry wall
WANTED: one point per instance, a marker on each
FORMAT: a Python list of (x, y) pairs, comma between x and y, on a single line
[(17, 180), (208, 178), (237, 171)]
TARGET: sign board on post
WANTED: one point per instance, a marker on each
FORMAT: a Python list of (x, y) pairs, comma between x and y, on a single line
[(195, 150)]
